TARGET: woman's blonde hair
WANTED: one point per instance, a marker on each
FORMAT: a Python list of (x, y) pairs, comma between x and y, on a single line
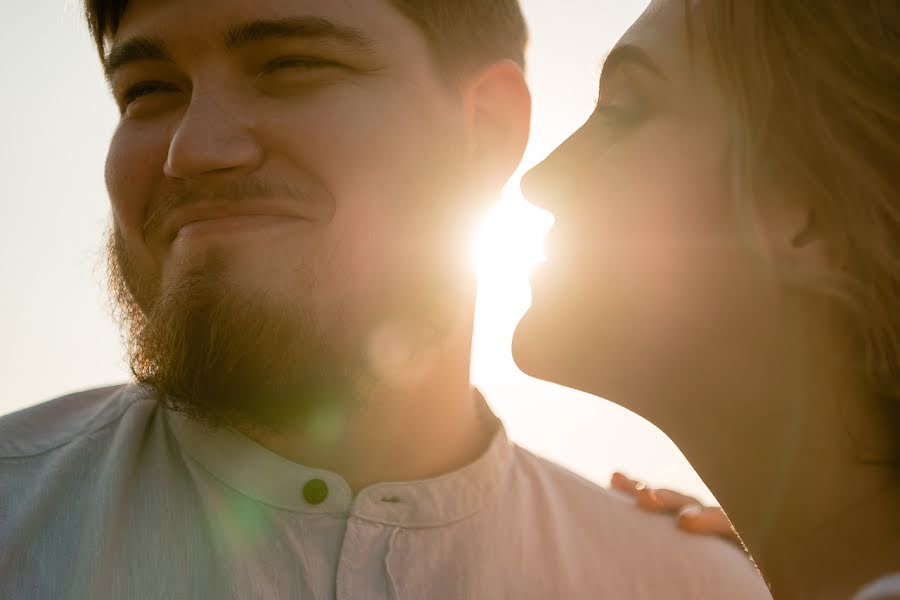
[(816, 86)]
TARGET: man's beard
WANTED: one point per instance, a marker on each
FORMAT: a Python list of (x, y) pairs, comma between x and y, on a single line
[(223, 358)]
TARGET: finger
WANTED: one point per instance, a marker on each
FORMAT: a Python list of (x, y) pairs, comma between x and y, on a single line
[(623, 483), (664, 500), (707, 521)]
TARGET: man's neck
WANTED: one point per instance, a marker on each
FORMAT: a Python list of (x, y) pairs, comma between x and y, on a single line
[(396, 432), (792, 477)]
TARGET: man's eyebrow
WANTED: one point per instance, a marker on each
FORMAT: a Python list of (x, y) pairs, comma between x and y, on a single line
[(145, 48), (297, 27), (133, 50), (628, 53)]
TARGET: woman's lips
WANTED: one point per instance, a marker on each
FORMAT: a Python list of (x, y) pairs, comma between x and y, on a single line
[(554, 244)]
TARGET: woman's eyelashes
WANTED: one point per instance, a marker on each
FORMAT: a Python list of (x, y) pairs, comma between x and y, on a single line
[(619, 109), (627, 96), (618, 115)]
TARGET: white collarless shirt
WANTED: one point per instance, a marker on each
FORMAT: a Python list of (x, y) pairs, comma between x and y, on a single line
[(104, 494)]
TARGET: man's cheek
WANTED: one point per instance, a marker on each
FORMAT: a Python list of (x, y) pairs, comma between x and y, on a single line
[(133, 172), (378, 133)]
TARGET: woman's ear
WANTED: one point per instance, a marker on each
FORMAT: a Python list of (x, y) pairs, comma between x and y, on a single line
[(796, 235), (498, 119), (808, 234)]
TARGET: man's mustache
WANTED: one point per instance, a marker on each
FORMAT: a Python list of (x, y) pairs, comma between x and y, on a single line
[(242, 190)]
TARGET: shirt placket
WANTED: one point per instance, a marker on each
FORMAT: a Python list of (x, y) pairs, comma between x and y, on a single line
[(362, 569)]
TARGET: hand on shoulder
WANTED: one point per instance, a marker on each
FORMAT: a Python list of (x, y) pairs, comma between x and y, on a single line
[(690, 514)]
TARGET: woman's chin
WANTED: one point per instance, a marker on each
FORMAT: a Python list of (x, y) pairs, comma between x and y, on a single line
[(534, 349), (546, 347)]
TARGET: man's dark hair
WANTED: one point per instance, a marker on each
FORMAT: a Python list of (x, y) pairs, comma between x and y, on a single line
[(464, 34)]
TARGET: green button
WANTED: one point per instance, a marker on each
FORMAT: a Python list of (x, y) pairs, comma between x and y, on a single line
[(315, 491)]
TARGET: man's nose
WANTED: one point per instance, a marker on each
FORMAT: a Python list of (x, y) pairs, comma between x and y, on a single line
[(213, 139)]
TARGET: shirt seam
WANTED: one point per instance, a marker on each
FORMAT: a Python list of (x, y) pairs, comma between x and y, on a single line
[(77, 436)]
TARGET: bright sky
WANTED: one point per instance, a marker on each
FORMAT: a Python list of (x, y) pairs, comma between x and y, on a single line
[(57, 337)]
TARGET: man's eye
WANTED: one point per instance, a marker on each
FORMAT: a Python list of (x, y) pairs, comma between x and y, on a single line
[(142, 89), (297, 62)]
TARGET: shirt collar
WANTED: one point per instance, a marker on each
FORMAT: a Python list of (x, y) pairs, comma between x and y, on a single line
[(242, 464)]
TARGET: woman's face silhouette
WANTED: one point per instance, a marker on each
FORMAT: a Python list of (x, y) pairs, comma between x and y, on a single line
[(654, 279)]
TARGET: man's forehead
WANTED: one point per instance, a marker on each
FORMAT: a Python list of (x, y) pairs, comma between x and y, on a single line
[(175, 18)]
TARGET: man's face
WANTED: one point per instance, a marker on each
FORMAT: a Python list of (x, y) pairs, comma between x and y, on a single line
[(287, 180)]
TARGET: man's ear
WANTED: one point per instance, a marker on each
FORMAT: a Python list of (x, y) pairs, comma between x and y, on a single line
[(498, 119)]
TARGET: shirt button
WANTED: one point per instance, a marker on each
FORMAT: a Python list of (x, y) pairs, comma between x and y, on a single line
[(315, 491)]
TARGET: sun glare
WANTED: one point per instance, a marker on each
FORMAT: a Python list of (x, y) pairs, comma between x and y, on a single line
[(508, 244), (509, 240)]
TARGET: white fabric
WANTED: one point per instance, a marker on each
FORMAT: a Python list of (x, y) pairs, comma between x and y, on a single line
[(103, 494), (883, 589)]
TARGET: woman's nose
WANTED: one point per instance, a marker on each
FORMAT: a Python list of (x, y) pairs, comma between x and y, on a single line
[(545, 185)]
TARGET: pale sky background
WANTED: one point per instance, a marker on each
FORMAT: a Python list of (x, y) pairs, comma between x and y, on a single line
[(55, 333)]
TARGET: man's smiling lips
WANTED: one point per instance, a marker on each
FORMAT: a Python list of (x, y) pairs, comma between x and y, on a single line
[(227, 218)]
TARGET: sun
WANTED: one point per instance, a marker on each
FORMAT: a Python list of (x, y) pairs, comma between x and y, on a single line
[(508, 244)]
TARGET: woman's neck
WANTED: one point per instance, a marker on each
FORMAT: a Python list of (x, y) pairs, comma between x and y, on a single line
[(796, 474)]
